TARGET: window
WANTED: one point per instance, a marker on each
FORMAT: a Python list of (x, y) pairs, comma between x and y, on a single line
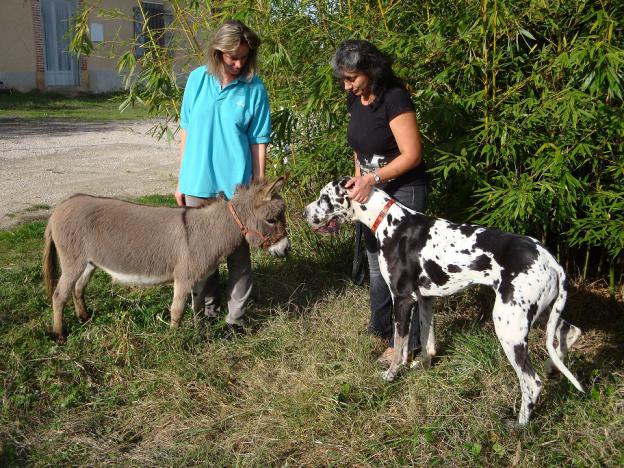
[(150, 21)]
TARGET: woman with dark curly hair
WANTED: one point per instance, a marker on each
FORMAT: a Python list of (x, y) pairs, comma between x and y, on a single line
[(385, 138)]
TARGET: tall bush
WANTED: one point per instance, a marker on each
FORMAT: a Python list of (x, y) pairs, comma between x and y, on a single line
[(520, 102)]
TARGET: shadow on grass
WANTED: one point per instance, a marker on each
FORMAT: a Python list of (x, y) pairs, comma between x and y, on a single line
[(598, 352), (292, 285)]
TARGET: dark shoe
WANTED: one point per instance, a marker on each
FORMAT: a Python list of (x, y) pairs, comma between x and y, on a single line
[(233, 331)]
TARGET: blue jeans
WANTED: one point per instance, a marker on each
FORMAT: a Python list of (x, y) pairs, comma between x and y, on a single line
[(414, 197)]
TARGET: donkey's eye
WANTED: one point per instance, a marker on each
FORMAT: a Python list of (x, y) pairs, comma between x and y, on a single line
[(271, 220)]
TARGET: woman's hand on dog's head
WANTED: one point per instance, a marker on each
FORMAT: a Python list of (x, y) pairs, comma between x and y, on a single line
[(359, 187)]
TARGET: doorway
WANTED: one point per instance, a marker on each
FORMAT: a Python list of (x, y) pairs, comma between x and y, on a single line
[(61, 67)]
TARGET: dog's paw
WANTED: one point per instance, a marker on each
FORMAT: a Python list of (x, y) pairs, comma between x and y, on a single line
[(421, 362), (514, 425)]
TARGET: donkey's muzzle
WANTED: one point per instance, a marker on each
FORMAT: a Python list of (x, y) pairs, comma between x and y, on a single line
[(280, 248)]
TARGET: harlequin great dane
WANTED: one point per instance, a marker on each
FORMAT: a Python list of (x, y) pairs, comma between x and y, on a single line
[(421, 257)]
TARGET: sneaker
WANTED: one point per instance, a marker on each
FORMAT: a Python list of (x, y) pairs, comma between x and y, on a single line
[(210, 311)]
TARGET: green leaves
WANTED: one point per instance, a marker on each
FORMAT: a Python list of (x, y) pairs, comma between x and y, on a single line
[(520, 102), (544, 153)]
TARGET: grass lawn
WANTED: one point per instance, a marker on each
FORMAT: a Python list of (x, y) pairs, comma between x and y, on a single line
[(38, 105), (300, 388)]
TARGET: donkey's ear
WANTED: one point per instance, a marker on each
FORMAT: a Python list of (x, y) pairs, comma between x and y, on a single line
[(271, 188)]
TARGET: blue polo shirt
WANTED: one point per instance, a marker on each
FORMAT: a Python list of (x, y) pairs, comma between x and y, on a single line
[(220, 125)]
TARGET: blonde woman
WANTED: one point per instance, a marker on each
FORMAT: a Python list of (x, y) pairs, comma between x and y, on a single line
[(226, 126)]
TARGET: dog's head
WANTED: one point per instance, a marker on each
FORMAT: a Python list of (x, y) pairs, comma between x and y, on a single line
[(330, 209)]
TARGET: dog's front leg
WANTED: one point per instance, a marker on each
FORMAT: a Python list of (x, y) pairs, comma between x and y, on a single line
[(402, 315)]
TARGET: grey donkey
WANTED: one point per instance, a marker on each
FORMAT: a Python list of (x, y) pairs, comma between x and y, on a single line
[(148, 245)]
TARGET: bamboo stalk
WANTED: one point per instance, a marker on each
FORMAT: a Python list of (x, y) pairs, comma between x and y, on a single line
[(187, 29), (612, 280), (601, 262), (486, 84), (585, 264), (383, 16), (494, 51)]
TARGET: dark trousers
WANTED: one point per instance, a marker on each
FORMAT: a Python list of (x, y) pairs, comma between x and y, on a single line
[(240, 281), (414, 197)]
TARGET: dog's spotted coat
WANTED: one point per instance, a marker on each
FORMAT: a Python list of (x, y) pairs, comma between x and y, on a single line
[(422, 257)]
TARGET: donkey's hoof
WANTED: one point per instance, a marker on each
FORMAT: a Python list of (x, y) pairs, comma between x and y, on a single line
[(84, 318), (388, 375), (60, 338), (174, 324), (210, 313)]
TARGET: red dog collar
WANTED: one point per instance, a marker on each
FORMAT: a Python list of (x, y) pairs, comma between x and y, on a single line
[(382, 214)]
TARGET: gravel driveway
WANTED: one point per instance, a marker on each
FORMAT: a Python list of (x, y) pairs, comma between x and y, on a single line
[(43, 162)]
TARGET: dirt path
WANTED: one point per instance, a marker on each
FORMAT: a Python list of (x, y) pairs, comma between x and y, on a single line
[(43, 162)]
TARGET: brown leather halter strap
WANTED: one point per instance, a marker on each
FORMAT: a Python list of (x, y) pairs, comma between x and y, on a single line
[(266, 241), (382, 214)]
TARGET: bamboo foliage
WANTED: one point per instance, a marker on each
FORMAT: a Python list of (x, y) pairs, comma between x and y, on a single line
[(520, 102)]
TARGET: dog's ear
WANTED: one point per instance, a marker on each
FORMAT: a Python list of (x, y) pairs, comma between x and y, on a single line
[(343, 181)]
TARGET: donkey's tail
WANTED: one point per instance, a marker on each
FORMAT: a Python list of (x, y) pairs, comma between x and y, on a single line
[(50, 263), (551, 328)]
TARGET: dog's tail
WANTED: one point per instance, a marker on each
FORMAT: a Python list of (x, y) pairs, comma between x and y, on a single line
[(50, 268), (551, 328)]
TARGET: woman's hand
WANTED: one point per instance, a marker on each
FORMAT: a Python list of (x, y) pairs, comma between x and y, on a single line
[(179, 198), (361, 187)]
